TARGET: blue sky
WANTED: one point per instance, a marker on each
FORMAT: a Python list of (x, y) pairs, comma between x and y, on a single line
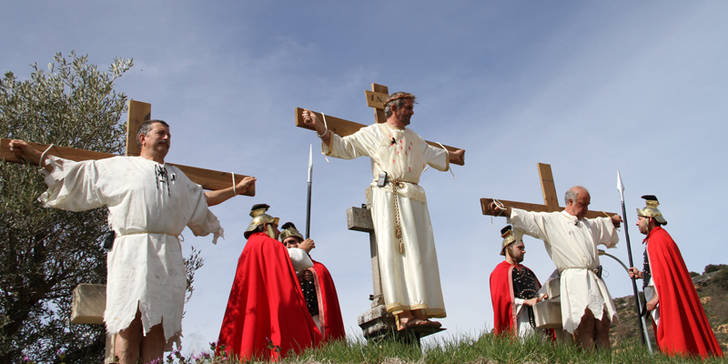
[(587, 86)]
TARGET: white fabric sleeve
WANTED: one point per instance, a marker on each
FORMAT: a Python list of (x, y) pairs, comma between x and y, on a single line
[(300, 259), (607, 233), (72, 186), (437, 157), (531, 223), (361, 143), (203, 221)]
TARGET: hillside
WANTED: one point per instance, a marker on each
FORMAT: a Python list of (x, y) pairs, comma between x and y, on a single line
[(712, 287)]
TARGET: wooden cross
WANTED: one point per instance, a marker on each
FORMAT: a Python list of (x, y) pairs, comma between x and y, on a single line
[(551, 201), (375, 98), (89, 300), (138, 113)]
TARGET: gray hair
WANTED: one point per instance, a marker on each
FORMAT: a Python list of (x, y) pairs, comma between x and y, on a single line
[(146, 127), (572, 193), (397, 103)]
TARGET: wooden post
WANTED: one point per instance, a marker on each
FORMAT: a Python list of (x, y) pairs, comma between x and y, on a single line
[(376, 323)]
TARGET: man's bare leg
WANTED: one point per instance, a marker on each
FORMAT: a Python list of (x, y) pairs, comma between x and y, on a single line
[(128, 342), (602, 331), (153, 344), (584, 333)]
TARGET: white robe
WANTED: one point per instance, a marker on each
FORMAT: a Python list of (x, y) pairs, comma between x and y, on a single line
[(411, 279), (572, 245), (145, 266)]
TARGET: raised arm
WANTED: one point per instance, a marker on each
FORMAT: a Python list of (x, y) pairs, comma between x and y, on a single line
[(23, 150), (222, 195), (311, 120)]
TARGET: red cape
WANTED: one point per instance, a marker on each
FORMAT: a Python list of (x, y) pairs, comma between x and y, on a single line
[(683, 328), (501, 294), (266, 315), (329, 311)]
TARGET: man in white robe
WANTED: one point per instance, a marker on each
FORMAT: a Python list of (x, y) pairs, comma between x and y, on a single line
[(407, 258), (149, 204), (571, 241)]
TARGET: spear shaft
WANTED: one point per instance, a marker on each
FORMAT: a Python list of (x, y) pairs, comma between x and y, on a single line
[(638, 305), (308, 195)]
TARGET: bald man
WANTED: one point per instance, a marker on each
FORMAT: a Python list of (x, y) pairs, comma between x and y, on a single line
[(571, 241)]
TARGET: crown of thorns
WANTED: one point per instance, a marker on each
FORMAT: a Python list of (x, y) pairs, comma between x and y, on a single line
[(398, 96)]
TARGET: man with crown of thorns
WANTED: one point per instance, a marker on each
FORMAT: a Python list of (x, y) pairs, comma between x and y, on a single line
[(405, 242), (681, 326)]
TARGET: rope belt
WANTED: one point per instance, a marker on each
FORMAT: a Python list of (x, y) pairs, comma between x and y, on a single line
[(395, 211), (596, 270)]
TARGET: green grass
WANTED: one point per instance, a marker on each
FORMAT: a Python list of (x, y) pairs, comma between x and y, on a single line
[(485, 349)]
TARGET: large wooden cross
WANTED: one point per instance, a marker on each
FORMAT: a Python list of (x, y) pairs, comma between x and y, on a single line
[(138, 112), (376, 323), (551, 201), (89, 300), (375, 98)]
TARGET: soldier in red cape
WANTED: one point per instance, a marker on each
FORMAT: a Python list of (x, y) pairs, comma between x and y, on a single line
[(513, 289), (681, 326), (318, 289), (266, 315)]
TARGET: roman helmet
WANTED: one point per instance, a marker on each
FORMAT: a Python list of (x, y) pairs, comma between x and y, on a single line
[(260, 218), (288, 230), (650, 209), (509, 237)]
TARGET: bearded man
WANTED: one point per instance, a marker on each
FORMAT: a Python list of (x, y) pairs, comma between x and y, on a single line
[(681, 327), (405, 242), (318, 289), (513, 289), (266, 315)]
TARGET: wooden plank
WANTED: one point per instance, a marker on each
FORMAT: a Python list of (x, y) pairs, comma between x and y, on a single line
[(376, 99), (485, 207), (547, 185), (137, 113), (344, 127), (207, 178), (379, 115)]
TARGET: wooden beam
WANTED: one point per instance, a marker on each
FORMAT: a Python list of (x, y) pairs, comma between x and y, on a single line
[(547, 185), (344, 127), (485, 207), (383, 91), (207, 178), (137, 113)]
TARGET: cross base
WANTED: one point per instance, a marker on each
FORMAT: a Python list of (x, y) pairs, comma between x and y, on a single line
[(377, 324)]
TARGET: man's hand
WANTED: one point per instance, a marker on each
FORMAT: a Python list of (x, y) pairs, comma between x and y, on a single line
[(616, 220), (505, 211), (244, 186), (531, 302), (652, 304), (457, 157), (634, 273), (24, 151), (311, 120), (307, 245)]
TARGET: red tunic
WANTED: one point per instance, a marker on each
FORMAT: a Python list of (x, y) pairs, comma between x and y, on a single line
[(266, 315), (683, 327), (329, 311)]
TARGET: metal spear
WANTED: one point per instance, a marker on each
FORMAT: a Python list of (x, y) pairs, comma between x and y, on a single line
[(637, 301), (308, 198)]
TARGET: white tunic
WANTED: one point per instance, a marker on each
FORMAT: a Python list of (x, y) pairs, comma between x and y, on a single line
[(300, 259), (523, 324), (410, 276), (145, 266), (572, 245)]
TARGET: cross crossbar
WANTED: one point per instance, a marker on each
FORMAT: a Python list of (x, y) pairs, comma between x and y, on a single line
[(551, 203)]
